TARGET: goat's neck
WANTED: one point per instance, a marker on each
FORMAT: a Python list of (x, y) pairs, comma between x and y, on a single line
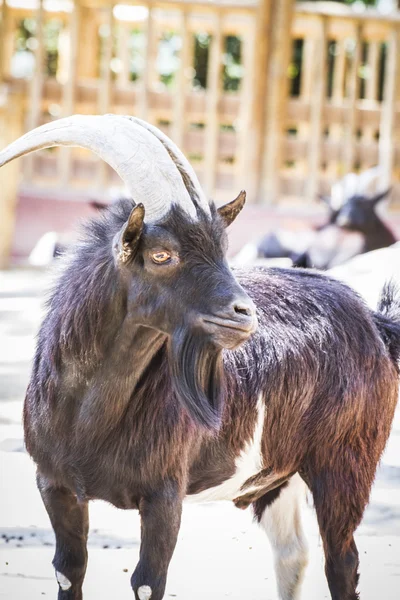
[(378, 235), (113, 384)]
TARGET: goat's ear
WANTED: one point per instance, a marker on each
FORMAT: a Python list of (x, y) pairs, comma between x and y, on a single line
[(230, 211), (126, 241), (381, 196)]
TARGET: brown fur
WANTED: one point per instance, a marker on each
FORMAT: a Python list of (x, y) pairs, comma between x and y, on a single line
[(132, 402)]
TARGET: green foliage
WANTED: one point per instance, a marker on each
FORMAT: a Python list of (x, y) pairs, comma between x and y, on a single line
[(201, 52), (232, 61), (168, 60), (233, 69), (26, 41)]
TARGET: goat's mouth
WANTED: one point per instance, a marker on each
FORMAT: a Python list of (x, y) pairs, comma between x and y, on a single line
[(228, 333)]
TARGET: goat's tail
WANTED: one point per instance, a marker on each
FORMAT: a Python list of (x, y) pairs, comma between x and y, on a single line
[(388, 318)]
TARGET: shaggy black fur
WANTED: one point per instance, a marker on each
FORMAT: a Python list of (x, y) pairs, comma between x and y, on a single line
[(135, 398)]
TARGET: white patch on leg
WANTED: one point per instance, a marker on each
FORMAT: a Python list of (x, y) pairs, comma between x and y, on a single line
[(248, 464), (144, 592), (281, 522), (63, 581)]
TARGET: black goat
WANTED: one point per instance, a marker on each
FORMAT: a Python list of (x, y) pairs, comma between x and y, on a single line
[(150, 382), (352, 227), (357, 228)]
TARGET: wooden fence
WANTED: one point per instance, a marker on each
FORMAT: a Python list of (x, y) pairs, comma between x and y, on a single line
[(306, 108)]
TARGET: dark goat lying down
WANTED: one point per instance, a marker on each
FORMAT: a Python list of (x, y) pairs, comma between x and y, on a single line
[(352, 227), (152, 381)]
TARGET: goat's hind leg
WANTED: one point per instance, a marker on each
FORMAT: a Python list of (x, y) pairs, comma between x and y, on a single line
[(70, 522), (340, 498), (278, 512)]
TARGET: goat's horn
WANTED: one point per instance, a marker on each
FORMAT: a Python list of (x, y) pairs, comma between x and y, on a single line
[(368, 182), (137, 156), (183, 165), (343, 189)]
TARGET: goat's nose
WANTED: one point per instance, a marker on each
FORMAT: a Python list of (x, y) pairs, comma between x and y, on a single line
[(243, 311), (240, 308)]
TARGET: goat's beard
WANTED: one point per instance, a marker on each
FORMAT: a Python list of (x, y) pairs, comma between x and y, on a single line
[(197, 377)]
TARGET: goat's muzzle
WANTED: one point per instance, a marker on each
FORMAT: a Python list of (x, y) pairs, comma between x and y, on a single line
[(233, 326), (343, 221)]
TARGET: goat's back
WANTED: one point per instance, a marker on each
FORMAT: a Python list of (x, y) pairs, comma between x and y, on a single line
[(319, 359)]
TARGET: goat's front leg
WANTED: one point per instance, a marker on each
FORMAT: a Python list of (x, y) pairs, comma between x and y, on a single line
[(160, 521), (70, 522)]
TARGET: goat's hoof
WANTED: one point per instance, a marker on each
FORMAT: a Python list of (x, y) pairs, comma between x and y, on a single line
[(69, 594), (144, 592)]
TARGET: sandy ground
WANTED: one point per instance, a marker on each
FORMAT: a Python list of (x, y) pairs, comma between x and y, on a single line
[(220, 552)]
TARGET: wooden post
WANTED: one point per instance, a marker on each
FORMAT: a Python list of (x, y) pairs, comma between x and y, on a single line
[(339, 70), (11, 128), (388, 114), (186, 55), (306, 91), (258, 81), (105, 92), (36, 89), (150, 55), (104, 99), (3, 37), (276, 97), (307, 80), (316, 113), (123, 53), (69, 91), (246, 103), (339, 73), (373, 65), (214, 90), (7, 40), (371, 89), (87, 66), (349, 138)]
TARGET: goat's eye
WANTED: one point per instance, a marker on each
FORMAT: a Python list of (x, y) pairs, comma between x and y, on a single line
[(161, 257)]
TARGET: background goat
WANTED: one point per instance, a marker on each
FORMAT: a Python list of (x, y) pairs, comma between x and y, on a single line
[(151, 381), (355, 225), (352, 227)]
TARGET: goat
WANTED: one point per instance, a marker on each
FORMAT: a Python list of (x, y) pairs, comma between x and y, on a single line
[(352, 227), (160, 374), (355, 226)]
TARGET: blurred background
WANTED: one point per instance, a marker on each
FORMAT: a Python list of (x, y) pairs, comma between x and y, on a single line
[(279, 98)]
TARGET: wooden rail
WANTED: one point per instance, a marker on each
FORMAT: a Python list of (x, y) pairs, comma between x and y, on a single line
[(282, 138)]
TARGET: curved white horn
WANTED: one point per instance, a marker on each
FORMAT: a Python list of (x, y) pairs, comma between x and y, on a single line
[(185, 168), (137, 156), (369, 182), (343, 189)]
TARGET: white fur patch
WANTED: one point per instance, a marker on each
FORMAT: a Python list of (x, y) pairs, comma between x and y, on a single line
[(249, 463), (63, 581), (281, 522), (144, 592)]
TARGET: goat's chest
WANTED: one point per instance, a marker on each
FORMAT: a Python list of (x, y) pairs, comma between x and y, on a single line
[(233, 477)]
